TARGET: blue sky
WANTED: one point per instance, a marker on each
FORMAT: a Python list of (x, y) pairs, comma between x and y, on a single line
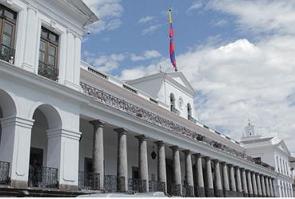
[(237, 54), (144, 27)]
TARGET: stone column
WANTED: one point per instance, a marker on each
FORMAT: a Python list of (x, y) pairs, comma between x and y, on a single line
[(189, 179), (122, 165), (218, 185), (176, 171), (239, 182), (271, 187), (244, 183), (232, 180), (210, 188), (15, 148), (259, 189), (250, 188), (162, 166), (143, 164), (254, 184), (267, 186), (263, 186), (200, 190), (98, 154), (225, 180)]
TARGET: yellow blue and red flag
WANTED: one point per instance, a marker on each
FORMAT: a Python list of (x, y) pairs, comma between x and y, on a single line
[(171, 38)]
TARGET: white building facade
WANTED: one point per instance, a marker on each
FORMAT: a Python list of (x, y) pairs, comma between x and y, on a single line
[(67, 127), (274, 152)]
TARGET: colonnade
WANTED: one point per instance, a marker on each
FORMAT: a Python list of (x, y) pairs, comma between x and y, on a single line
[(209, 178)]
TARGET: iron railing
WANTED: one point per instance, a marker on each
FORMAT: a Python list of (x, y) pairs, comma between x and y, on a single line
[(89, 180), (7, 53), (44, 177), (110, 183), (4, 172), (176, 190), (48, 71), (155, 186)]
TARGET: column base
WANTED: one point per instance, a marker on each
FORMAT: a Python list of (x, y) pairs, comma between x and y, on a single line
[(218, 193), (200, 191), (121, 184), (64, 187), (240, 194), (19, 184), (210, 192), (143, 186)]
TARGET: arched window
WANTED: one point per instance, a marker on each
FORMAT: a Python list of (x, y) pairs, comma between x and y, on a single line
[(189, 111), (172, 102)]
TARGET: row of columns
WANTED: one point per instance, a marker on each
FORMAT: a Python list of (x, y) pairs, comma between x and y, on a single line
[(220, 179)]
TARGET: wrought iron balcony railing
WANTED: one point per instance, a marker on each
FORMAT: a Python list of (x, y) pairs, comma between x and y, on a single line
[(44, 177), (155, 186), (110, 183), (48, 71), (7, 53), (89, 181), (4, 172)]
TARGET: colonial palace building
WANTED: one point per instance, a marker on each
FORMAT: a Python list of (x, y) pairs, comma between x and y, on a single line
[(68, 128)]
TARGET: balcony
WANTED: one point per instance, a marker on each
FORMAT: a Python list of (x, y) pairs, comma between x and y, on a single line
[(48, 71), (89, 181), (4, 173), (7, 53), (43, 177)]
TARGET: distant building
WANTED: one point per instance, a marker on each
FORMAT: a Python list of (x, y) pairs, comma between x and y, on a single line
[(68, 129), (274, 152)]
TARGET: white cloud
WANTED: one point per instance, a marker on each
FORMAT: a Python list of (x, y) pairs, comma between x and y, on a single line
[(195, 6), (260, 16), (146, 19), (149, 54), (108, 12), (240, 81), (105, 63), (151, 29)]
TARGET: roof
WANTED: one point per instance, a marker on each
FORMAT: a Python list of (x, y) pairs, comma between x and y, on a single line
[(265, 141), (81, 7), (186, 86)]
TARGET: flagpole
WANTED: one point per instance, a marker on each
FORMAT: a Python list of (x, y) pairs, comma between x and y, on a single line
[(171, 42)]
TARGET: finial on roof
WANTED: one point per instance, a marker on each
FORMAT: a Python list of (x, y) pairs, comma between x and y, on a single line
[(249, 129)]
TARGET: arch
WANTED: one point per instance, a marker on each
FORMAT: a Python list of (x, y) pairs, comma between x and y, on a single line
[(7, 105), (51, 114)]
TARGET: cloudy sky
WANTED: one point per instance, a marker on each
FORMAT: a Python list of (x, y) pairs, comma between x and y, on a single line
[(238, 55)]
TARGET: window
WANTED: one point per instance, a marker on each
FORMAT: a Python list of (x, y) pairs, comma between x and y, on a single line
[(7, 30), (189, 111), (48, 54), (172, 102), (180, 103)]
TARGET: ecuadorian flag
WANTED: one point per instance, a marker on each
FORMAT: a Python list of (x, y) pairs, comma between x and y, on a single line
[(171, 38)]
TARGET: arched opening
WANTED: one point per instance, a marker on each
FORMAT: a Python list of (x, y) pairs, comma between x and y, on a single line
[(7, 110), (41, 174), (172, 102), (189, 111)]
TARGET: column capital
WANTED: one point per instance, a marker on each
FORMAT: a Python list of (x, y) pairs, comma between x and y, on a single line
[(186, 151), (141, 137), (159, 143), (120, 130), (174, 147), (97, 123), (198, 155)]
